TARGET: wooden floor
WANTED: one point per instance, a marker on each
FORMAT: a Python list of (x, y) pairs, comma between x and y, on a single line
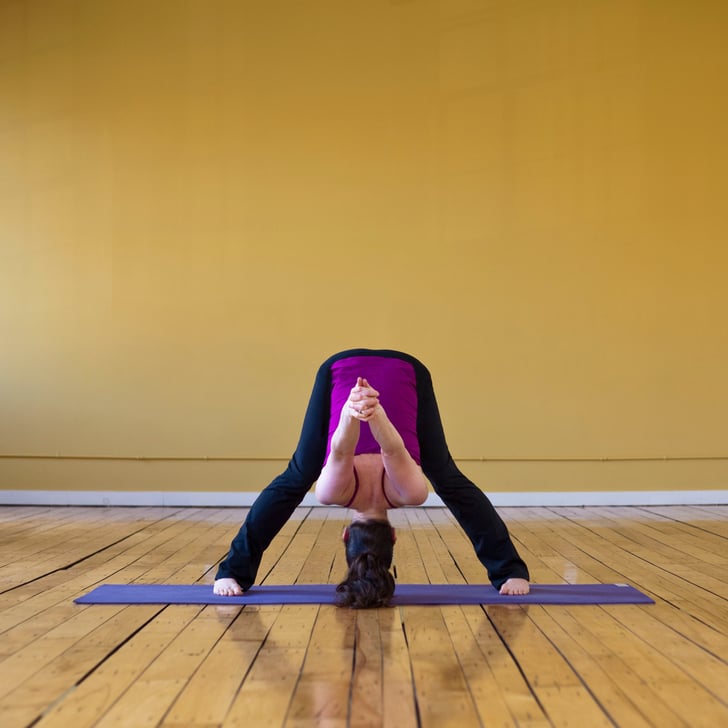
[(662, 665)]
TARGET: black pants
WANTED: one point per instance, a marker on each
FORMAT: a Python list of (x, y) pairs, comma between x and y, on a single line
[(470, 506)]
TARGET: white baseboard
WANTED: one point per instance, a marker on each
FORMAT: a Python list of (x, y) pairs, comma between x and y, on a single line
[(229, 499)]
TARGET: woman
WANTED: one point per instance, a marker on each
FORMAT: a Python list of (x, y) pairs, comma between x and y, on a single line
[(416, 417)]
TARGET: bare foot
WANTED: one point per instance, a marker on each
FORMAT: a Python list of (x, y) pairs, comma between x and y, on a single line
[(515, 587), (228, 588)]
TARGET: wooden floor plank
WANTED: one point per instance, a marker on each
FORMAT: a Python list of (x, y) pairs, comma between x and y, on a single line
[(662, 665), (76, 634), (705, 667), (625, 697), (398, 692), (494, 679), (366, 689), (608, 555), (265, 695), (148, 699), (207, 696), (96, 695), (550, 676), (434, 660), (324, 681), (443, 694), (83, 533)]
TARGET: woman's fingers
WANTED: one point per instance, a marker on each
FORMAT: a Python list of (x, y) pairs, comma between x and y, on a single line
[(362, 385), (365, 403), (364, 410), (363, 400)]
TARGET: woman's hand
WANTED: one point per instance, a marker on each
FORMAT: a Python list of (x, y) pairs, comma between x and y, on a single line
[(363, 400)]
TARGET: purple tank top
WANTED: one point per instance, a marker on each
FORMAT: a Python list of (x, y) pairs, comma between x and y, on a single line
[(395, 381)]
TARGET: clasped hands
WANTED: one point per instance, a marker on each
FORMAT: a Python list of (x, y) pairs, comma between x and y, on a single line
[(363, 400)]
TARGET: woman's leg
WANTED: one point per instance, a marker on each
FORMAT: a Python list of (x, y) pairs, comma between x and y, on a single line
[(470, 506), (276, 503)]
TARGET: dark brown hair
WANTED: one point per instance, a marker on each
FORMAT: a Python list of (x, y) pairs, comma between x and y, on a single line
[(369, 550)]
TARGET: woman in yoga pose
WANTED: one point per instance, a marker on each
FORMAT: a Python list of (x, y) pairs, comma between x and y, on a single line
[(401, 441)]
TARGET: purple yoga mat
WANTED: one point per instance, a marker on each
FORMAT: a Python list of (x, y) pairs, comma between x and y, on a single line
[(405, 594)]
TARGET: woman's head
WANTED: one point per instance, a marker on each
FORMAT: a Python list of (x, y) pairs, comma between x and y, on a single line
[(369, 549)]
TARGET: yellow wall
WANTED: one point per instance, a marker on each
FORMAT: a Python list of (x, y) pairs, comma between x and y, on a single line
[(199, 201)]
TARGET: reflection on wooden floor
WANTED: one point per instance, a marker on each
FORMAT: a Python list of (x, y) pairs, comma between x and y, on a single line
[(63, 664)]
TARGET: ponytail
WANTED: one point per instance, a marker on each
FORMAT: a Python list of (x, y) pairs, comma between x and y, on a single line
[(368, 582)]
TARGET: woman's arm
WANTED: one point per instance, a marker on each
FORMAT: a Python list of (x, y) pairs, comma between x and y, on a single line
[(406, 478), (335, 485)]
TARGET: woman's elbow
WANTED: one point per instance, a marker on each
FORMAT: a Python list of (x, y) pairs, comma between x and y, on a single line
[(323, 496), (422, 496), (417, 496)]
